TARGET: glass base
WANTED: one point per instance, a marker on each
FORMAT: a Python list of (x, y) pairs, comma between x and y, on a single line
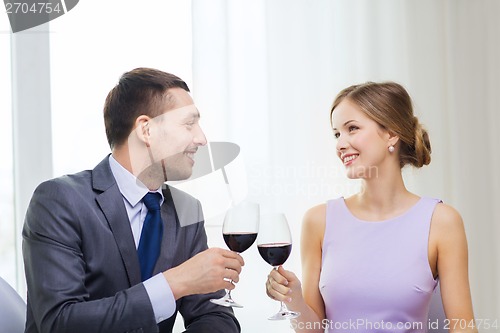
[(282, 315), (226, 301)]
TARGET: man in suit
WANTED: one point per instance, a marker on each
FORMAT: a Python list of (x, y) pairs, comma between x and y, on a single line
[(84, 234)]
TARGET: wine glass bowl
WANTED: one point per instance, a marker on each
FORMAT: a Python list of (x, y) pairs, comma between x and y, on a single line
[(275, 245), (239, 242), (275, 254), (239, 230)]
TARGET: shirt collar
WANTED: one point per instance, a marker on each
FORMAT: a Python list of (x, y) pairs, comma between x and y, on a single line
[(131, 188)]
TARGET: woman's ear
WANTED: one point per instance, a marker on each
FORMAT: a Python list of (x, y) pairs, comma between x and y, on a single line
[(393, 138)]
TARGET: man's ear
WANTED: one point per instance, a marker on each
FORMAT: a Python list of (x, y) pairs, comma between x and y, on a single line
[(142, 129)]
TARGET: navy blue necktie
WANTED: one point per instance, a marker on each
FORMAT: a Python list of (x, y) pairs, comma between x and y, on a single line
[(152, 232)]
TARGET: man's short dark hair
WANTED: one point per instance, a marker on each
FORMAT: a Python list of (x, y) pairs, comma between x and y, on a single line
[(142, 91)]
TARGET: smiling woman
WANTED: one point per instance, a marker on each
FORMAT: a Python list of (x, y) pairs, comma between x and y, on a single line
[(377, 255), (386, 111)]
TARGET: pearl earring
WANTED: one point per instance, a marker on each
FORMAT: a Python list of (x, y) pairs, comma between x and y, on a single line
[(391, 149)]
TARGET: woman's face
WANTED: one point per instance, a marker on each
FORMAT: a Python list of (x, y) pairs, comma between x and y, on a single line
[(362, 145)]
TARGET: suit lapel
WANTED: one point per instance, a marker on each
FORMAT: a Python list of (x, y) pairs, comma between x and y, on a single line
[(168, 215), (111, 203)]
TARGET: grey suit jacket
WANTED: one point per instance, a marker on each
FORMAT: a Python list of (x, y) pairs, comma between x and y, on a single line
[(82, 268)]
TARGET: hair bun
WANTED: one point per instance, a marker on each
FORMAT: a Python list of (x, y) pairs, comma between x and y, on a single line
[(422, 146)]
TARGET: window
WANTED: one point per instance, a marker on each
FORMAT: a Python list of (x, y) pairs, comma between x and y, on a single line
[(8, 236)]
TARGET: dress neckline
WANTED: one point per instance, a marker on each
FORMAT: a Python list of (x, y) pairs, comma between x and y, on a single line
[(395, 218)]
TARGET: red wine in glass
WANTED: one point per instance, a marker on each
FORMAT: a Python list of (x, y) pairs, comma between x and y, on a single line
[(275, 245), (275, 254), (239, 231), (239, 242)]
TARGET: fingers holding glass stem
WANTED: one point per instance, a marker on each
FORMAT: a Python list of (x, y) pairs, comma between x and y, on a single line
[(278, 288), (227, 300)]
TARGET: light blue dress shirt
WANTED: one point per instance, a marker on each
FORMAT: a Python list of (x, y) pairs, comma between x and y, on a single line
[(133, 190)]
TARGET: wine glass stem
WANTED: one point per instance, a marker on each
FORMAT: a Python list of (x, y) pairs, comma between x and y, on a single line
[(229, 291), (283, 307)]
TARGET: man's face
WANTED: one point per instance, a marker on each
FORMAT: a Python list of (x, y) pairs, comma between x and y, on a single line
[(174, 137)]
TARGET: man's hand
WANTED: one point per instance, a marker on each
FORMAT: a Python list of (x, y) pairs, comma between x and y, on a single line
[(206, 272)]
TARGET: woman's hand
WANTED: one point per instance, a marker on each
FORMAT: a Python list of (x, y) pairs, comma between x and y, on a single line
[(283, 285)]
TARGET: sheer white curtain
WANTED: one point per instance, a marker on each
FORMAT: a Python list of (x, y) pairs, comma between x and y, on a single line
[(266, 72)]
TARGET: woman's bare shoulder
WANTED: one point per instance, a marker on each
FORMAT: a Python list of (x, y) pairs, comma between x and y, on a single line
[(315, 216), (313, 223), (446, 217), (447, 226)]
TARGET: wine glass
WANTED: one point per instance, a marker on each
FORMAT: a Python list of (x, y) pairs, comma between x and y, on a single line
[(275, 244), (239, 231)]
